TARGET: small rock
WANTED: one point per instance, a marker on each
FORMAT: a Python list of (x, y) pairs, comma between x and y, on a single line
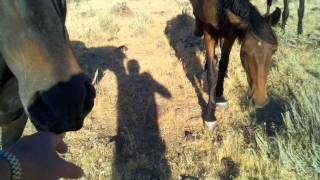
[(110, 39), (111, 140)]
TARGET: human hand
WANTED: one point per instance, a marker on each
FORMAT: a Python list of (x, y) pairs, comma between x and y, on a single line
[(39, 159)]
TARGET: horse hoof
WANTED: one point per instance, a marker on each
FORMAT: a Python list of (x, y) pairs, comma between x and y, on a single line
[(221, 103), (210, 125)]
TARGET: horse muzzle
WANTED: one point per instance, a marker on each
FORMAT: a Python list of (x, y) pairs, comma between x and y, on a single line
[(260, 105), (64, 106), (257, 101)]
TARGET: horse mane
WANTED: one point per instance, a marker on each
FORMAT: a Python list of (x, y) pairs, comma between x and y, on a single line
[(251, 16)]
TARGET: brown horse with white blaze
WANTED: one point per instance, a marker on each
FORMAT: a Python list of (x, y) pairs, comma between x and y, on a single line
[(39, 74), (230, 20)]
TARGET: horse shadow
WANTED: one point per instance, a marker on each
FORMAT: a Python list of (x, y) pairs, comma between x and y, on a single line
[(94, 61), (139, 149), (179, 32)]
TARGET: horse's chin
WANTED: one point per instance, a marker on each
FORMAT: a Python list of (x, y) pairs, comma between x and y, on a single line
[(261, 105), (58, 127)]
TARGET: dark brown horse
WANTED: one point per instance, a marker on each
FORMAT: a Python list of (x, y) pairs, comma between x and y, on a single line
[(232, 19), (285, 14), (39, 74)]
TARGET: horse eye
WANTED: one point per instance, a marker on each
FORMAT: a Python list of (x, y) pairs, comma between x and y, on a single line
[(243, 55)]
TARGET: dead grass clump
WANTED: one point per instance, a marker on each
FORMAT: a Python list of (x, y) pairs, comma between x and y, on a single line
[(108, 25), (140, 24), (122, 9)]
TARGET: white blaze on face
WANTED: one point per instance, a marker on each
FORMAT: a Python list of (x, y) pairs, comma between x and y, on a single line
[(259, 43)]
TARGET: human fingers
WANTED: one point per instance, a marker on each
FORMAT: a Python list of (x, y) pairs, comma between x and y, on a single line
[(69, 170)]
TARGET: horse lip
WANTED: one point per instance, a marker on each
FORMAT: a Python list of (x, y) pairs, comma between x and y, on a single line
[(258, 106), (36, 114), (39, 120), (38, 126), (262, 106), (77, 127)]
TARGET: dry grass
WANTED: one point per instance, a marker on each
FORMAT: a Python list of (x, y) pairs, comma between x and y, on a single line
[(278, 142)]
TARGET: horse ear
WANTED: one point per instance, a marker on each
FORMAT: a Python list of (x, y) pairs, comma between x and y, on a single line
[(235, 20), (61, 7), (274, 17), (64, 10)]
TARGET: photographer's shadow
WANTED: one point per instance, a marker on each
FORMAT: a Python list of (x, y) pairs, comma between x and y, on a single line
[(139, 148)]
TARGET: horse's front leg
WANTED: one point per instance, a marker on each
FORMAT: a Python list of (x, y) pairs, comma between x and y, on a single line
[(218, 49), (12, 115), (300, 14), (210, 43), (223, 68), (285, 15), (269, 3)]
